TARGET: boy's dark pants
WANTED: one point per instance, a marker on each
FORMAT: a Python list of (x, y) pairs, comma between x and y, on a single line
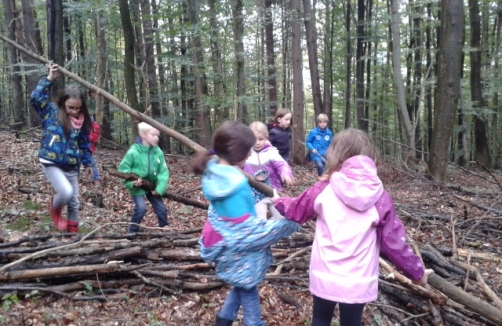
[(140, 210)]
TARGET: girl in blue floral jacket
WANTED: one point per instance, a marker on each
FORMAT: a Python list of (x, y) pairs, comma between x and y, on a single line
[(64, 146), (234, 238)]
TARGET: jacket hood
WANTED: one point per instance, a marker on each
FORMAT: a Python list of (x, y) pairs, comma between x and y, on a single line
[(357, 184), (219, 181)]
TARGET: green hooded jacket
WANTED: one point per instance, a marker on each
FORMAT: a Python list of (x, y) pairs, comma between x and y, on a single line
[(148, 163)]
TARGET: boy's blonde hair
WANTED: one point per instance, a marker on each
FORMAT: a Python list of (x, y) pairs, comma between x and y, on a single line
[(259, 127), (143, 127), (322, 118), (346, 144)]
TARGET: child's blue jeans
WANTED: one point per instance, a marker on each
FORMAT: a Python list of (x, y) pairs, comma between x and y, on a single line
[(140, 210), (320, 167), (95, 172), (250, 301)]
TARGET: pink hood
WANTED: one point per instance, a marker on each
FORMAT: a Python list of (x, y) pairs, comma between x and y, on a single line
[(357, 184)]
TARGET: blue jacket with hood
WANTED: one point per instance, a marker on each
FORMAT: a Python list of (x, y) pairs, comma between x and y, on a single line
[(233, 237)]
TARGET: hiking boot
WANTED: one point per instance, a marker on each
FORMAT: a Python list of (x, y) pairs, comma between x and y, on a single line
[(223, 322)]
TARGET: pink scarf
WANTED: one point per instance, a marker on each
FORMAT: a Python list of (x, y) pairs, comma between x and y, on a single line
[(76, 123)]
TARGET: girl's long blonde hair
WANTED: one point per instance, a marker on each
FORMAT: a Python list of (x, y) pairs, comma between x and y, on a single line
[(347, 143)]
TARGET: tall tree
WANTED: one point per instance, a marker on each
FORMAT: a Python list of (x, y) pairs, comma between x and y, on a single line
[(222, 109), (129, 73), (238, 21), (362, 119), (203, 122), (398, 79), (270, 54), (448, 85), (32, 41), (348, 65), (11, 16), (103, 116), (310, 32), (55, 38), (481, 151), (298, 100)]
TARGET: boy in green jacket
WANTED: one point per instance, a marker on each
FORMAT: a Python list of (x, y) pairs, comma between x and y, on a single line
[(146, 160)]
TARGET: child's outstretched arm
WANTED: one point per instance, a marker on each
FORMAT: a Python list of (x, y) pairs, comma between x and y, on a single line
[(301, 208), (392, 235)]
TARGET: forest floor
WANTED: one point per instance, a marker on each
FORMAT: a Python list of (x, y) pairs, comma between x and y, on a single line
[(470, 204)]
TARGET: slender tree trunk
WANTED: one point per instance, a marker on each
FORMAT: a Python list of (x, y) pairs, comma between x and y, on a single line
[(448, 85), (496, 157), (222, 109), (481, 152), (298, 100), (398, 78), (55, 39), (32, 41), (103, 116), (328, 64), (129, 73), (238, 21), (18, 112), (348, 66), (310, 33), (270, 54), (203, 122), (362, 121)]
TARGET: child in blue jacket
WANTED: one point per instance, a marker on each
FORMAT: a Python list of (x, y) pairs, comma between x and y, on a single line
[(318, 141), (234, 238)]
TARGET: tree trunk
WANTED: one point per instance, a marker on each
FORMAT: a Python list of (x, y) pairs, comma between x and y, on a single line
[(222, 109), (18, 112), (481, 151), (270, 55), (55, 39), (362, 120), (398, 79), (31, 40), (129, 73), (238, 23), (448, 85), (103, 116), (298, 131), (328, 64), (348, 66), (203, 122), (309, 20), (496, 157)]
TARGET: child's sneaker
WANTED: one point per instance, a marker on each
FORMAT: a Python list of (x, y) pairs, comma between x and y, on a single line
[(72, 227), (97, 183), (59, 222)]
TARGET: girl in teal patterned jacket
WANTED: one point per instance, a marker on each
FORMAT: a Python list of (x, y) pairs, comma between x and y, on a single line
[(64, 146), (234, 238)]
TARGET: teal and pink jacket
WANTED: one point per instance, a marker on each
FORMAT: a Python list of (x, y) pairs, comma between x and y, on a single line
[(356, 221)]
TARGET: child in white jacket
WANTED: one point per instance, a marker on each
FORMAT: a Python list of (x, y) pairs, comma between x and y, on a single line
[(265, 157)]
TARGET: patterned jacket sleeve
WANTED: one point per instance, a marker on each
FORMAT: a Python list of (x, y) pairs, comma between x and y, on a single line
[(263, 235), (301, 208), (392, 235), (40, 97)]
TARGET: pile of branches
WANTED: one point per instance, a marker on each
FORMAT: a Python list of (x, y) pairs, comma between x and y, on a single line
[(110, 266)]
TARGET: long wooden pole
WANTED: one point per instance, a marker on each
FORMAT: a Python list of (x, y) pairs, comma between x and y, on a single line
[(136, 114)]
